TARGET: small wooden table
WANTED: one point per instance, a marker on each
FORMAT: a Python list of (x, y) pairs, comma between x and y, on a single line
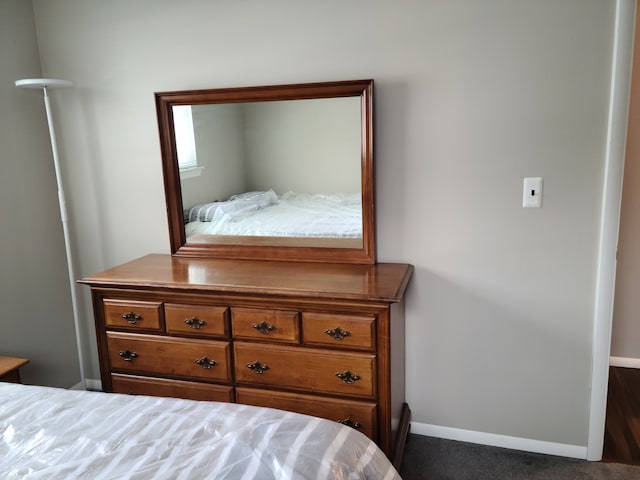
[(9, 368)]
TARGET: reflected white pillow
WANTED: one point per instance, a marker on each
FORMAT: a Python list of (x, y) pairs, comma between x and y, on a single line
[(258, 198), (245, 203), (236, 205), (202, 213)]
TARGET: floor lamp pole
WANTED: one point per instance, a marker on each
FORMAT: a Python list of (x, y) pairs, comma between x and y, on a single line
[(45, 84)]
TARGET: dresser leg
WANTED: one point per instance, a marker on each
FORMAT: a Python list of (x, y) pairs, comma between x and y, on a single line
[(401, 437)]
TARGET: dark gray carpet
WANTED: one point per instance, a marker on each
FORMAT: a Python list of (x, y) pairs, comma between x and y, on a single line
[(437, 459)]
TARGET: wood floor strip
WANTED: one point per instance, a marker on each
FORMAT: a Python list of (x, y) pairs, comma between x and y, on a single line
[(622, 426)]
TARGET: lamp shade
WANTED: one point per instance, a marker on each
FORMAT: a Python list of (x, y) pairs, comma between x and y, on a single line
[(42, 82)]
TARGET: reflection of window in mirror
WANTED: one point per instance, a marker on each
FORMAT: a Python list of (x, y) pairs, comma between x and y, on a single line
[(185, 142)]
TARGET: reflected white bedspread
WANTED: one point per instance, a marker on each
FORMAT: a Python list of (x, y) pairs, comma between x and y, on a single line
[(50, 433), (294, 215)]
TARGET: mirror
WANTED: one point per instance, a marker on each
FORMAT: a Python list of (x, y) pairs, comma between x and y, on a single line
[(279, 172)]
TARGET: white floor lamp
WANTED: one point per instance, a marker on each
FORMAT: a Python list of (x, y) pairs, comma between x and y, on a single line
[(44, 84)]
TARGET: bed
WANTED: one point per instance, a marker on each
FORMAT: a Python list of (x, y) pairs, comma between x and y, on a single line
[(51, 433), (293, 214)]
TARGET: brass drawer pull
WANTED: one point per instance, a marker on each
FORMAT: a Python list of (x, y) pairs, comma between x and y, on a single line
[(264, 327), (127, 355), (195, 322), (257, 367), (337, 333), (132, 317), (348, 377), (350, 423), (205, 362)]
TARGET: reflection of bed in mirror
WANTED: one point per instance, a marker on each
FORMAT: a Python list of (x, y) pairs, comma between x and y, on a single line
[(290, 215), (261, 148)]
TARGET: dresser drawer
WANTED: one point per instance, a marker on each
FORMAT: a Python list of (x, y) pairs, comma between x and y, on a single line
[(201, 320), (266, 324), (162, 387), (337, 330), (178, 357), (305, 369), (359, 415), (132, 314)]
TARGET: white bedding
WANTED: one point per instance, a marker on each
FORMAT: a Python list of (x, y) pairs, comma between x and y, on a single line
[(290, 215), (50, 433)]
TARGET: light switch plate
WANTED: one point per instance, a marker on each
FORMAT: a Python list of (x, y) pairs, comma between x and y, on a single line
[(532, 192)]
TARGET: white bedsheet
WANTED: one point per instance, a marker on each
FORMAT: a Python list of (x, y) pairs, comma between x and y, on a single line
[(50, 433), (294, 215)]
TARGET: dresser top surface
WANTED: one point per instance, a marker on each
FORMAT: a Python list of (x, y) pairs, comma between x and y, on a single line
[(379, 282), (9, 364)]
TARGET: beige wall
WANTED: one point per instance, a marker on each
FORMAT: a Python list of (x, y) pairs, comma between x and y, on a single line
[(625, 335), (470, 98), (36, 320), (310, 146), (220, 150)]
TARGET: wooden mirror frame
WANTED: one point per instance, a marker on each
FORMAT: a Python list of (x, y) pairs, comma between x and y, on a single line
[(297, 251)]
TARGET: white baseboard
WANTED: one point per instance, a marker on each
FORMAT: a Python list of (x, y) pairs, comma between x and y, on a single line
[(503, 441), (626, 362), (92, 384)]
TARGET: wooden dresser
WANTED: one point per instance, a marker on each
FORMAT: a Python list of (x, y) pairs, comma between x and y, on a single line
[(320, 339)]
